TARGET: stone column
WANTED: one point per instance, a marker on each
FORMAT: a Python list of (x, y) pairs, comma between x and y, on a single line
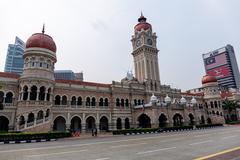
[(28, 91), (38, 94)]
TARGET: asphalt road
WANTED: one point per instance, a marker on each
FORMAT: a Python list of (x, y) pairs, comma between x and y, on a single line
[(183, 145)]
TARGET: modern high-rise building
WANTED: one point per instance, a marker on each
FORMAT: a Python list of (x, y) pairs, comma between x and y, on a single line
[(14, 58), (222, 64), (64, 74)]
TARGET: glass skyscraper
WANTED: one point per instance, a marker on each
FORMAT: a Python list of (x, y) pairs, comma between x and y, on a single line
[(14, 58), (222, 64)]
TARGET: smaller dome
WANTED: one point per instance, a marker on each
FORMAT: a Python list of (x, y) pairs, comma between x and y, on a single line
[(153, 98), (193, 100), (167, 99), (208, 79), (183, 100), (142, 24)]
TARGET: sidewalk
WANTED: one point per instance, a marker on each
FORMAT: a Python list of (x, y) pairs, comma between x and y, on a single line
[(89, 136)]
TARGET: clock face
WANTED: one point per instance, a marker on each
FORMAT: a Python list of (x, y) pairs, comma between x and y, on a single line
[(138, 43), (149, 42)]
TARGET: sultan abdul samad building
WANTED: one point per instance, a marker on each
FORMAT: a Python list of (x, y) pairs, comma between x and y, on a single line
[(34, 101)]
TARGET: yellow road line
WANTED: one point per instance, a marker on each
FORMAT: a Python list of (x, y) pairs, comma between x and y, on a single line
[(219, 153)]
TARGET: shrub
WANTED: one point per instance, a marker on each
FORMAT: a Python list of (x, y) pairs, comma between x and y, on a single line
[(208, 125), (32, 136)]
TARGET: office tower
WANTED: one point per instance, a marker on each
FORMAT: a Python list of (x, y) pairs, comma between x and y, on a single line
[(222, 64)]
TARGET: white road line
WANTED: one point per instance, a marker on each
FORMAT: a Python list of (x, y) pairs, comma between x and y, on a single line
[(56, 153), (200, 142), (162, 149), (128, 145), (229, 137), (102, 158), (202, 135)]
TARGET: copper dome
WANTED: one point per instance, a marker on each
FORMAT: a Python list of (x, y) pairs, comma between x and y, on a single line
[(208, 79), (41, 40)]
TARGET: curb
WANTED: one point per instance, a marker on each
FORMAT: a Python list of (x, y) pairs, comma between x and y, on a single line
[(27, 141), (157, 132)]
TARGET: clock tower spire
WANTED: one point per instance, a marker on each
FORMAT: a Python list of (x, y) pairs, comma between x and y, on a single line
[(145, 54)]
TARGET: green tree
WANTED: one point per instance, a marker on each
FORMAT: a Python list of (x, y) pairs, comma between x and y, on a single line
[(230, 107)]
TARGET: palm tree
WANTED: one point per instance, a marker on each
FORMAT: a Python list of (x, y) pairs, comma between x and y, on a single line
[(230, 106)]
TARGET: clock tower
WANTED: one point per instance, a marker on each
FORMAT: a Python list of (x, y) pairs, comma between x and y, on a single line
[(145, 54)]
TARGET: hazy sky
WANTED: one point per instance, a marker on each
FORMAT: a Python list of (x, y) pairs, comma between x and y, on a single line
[(93, 36)]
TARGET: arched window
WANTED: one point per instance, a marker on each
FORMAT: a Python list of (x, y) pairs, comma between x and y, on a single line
[(1, 97), (30, 118), (64, 100), (74, 101), (21, 120), (135, 102), (215, 104), (9, 97), (206, 104), (101, 102), (40, 115), (213, 112), (217, 113), (143, 101), (139, 102), (48, 94), (47, 113), (211, 103), (79, 102), (42, 93), (25, 93), (57, 100), (33, 93), (88, 101), (106, 102), (126, 103), (117, 102), (122, 102), (93, 103)]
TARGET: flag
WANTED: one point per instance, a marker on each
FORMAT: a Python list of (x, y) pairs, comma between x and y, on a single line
[(215, 61), (220, 72)]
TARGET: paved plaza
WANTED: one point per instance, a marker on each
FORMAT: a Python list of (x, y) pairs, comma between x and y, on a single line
[(183, 145)]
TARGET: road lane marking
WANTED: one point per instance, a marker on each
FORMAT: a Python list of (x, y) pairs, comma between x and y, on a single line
[(202, 135), (127, 145), (229, 137), (103, 158), (219, 153), (151, 151), (200, 142), (56, 153)]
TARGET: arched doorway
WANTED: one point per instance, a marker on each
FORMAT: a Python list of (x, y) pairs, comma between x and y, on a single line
[(191, 118), (119, 123), (76, 124), (90, 123), (209, 121), (127, 124), (4, 122), (177, 120), (162, 120), (59, 124), (103, 126), (202, 120), (144, 121)]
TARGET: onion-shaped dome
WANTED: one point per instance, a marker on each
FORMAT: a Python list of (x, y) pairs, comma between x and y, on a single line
[(208, 79), (167, 99), (183, 100), (41, 40), (142, 24), (153, 99), (193, 100)]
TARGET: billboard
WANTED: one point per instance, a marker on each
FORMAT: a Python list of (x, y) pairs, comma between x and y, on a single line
[(215, 61), (220, 72)]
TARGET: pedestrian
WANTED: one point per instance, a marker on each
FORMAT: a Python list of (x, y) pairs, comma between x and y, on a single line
[(95, 132), (92, 131)]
